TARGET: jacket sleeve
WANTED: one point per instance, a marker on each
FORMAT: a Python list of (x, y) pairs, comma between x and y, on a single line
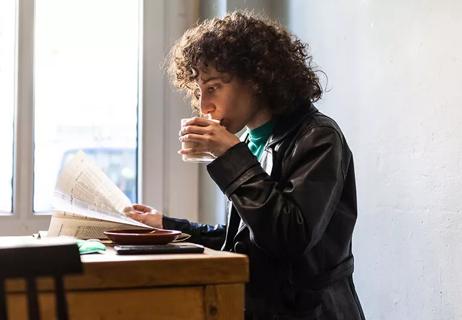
[(210, 236), (285, 217)]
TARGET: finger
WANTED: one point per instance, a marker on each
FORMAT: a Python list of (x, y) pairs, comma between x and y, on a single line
[(138, 206), (194, 129), (191, 151), (200, 122), (131, 211), (132, 215), (141, 207), (127, 209), (192, 137), (137, 215)]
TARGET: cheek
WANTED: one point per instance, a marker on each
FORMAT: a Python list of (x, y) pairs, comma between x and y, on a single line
[(224, 108), (235, 108)]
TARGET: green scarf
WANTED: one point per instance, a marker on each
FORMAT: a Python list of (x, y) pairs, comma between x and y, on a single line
[(258, 137)]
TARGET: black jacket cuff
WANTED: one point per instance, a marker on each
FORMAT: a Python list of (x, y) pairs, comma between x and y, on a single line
[(232, 168)]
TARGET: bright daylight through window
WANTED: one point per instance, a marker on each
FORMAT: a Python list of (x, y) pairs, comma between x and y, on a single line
[(7, 100), (86, 90)]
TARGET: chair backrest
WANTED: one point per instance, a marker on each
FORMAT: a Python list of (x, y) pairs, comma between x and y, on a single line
[(31, 261)]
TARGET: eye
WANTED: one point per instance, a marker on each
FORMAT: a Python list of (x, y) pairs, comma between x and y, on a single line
[(211, 89)]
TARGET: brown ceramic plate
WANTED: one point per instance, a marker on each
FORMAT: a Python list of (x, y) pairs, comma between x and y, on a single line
[(137, 236)]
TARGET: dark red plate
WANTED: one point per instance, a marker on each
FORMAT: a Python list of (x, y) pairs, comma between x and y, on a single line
[(142, 236)]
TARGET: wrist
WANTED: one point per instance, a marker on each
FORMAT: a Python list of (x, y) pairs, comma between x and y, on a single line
[(228, 146)]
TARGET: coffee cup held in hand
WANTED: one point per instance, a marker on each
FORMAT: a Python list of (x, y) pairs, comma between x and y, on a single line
[(204, 157)]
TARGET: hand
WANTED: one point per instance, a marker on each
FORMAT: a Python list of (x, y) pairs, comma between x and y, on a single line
[(145, 214), (206, 136)]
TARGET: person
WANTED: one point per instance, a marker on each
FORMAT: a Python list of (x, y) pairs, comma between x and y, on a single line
[(289, 179)]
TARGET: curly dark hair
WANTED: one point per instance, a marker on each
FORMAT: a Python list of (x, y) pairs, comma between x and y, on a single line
[(251, 47)]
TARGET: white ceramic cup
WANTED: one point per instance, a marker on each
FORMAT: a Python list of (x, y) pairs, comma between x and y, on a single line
[(204, 157)]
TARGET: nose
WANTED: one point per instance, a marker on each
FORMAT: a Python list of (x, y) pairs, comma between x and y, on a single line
[(207, 106)]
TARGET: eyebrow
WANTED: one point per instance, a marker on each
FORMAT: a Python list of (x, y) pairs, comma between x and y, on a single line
[(204, 81)]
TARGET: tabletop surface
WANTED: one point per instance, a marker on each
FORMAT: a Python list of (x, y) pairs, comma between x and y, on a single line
[(110, 270)]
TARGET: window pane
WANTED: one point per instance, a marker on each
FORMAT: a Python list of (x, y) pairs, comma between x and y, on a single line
[(86, 90), (7, 99)]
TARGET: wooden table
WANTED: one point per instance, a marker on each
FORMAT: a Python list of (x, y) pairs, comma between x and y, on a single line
[(173, 286)]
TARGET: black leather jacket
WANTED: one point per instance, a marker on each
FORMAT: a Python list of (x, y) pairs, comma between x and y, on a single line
[(293, 214)]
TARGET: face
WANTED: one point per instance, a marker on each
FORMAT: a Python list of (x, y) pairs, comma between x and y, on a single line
[(230, 100)]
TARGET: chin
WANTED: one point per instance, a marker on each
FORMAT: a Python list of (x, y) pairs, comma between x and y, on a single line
[(237, 130), (233, 128)]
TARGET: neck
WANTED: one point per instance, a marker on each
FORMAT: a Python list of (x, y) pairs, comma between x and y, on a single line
[(260, 118)]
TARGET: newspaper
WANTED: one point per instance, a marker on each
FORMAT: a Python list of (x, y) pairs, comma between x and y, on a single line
[(86, 202)]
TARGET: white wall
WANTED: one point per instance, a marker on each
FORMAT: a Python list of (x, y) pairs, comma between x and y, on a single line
[(395, 81), (180, 187)]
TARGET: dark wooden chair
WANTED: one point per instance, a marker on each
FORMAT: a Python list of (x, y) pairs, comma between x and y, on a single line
[(31, 261)]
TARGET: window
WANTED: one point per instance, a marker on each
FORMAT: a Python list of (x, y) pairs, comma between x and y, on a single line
[(86, 89), (68, 82), (86, 75), (7, 100)]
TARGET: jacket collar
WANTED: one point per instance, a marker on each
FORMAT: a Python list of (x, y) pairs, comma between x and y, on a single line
[(288, 123)]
